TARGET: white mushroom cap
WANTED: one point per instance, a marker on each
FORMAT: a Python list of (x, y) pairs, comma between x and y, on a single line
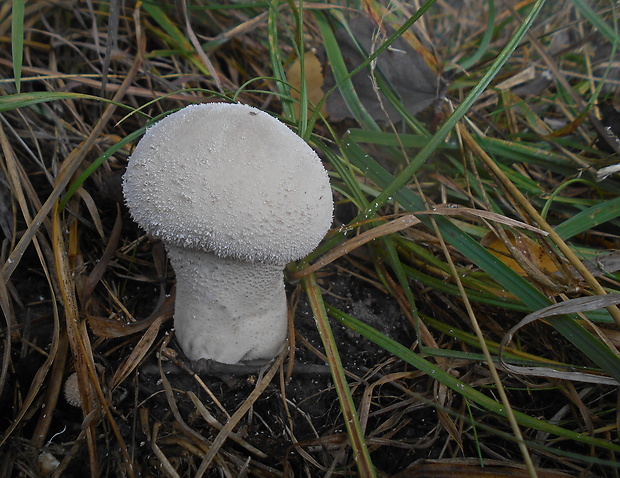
[(230, 179)]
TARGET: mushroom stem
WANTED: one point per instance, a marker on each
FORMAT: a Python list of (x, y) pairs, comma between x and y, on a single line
[(226, 309)]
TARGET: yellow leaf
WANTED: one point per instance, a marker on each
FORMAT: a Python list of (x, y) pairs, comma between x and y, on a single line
[(528, 247), (314, 81)]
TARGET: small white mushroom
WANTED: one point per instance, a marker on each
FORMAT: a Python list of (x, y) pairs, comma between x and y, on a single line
[(47, 463), (234, 195), (72, 391)]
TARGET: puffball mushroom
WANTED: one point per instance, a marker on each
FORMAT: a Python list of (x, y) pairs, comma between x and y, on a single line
[(72, 391), (234, 195)]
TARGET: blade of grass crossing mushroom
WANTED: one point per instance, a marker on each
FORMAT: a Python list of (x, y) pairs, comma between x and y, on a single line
[(457, 385), (75, 185), (347, 406), (17, 39)]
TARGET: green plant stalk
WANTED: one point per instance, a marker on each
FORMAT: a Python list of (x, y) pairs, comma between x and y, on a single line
[(276, 61), (17, 40), (21, 100), (475, 433), (351, 419), (175, 35), (512, 356), (342, 76), (95, 164), (299, 46), (552, 197), (485, 41), (600, 213), (507, 151), (489, 360)]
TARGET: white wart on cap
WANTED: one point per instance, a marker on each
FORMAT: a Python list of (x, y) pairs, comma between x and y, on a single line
[(234, 194)]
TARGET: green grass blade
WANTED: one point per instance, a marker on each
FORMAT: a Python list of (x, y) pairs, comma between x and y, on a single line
[(21, 100), (168, 26), (172, 34), (95, 164), (276, 62), (485, 41), (589, 218), (343, 77), (17, 40), (506, 151), (354, 428)]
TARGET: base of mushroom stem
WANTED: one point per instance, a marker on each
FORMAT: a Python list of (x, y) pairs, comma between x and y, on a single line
[(212, 367), (226, 309)]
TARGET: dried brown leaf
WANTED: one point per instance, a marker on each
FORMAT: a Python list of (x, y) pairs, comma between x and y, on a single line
[(137, 354)]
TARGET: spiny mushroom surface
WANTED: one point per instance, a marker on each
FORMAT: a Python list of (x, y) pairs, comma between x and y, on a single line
[(72, 391), (234, 195)]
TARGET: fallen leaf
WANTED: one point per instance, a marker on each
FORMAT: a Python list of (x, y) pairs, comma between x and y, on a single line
[(313, 75), (533, 251), (402, 66)]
